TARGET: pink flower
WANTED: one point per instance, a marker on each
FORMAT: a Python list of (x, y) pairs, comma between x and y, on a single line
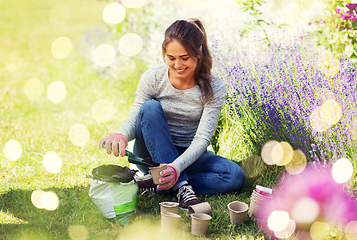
[(345, 17), (351, 6), (354, 17), (337, 10), (310, 196)]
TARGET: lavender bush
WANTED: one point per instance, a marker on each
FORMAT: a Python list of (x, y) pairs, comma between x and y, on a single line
[(273, 94)]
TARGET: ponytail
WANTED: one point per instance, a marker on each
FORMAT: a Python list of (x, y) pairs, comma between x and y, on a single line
[(192, 36)]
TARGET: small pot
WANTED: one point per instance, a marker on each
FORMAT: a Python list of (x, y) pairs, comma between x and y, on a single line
[(200, 208), (237, 212), (199, 223), (155, 172), (169, 221), (169, 207)]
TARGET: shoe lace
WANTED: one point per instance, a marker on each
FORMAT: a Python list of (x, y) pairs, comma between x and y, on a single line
[(186, 193)]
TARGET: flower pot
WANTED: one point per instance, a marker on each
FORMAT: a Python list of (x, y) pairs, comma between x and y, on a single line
[(199, 223), (169, 207), (155, 172), (237, 212)]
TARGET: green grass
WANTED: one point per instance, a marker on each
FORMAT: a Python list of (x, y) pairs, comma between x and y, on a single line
[(41, 126)]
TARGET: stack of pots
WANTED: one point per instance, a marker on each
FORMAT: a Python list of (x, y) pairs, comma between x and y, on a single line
[(259, 196)]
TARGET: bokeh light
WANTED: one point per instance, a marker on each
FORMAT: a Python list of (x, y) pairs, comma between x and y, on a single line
[(319, 230), (77, 232), (133, 3), (253, 166), (49, 201), (122, 67), (316, 122), (305, 210), (272, 152), (286, 232), (130, 44), (351, 230), (59, 15), (104, 55), (278, 220), (12, 150), (52, 162), (36, 198), (114, 13), (61, 47), (79, 135), (56, 91), (102, 111), (330, 112), (13, 62), (46, 200), (34, 89), (287, 154), (297, 163), (342, 170)]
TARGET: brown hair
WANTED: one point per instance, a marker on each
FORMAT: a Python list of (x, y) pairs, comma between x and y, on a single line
[(191, 35)]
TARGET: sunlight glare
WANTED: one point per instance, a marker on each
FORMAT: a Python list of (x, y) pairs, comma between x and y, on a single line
[(59, 15), (122, 66), (114, 13), (130, 44), (13, 62), (319, 230), (272, 152), (12, 150), (78, 232), (79, 135), (56, 91), (104, 55), (34, 89), (297, 163), (36, 198), (102, 111), (278, 220), (316, 122), (342, 170), (286, 232), (305, 210), (133, 3), (287, 154), (253, 166), (351, 230), (330, 112), (52, 162), (61, 47), (49, 201)]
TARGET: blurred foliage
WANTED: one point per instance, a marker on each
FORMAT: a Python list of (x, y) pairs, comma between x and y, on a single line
[(253, 8), (337, 29)]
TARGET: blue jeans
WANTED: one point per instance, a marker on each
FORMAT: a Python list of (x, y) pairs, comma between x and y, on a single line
[(209, 174)]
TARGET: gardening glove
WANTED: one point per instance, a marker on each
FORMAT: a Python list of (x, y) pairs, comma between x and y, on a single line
[(112, 141), (170, 176)]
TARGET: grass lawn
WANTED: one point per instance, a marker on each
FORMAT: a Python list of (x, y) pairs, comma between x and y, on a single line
[(41, 126)]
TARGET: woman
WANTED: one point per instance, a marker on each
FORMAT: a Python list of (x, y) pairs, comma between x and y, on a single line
[(174, 115)]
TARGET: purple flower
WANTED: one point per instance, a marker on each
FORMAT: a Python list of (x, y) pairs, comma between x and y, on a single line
[(351, 6), (337, 10)]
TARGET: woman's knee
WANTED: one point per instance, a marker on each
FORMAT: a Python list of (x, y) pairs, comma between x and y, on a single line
[(150, 108), (236, 177)]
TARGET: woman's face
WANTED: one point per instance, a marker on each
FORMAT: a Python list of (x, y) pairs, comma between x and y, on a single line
[(182, 66)]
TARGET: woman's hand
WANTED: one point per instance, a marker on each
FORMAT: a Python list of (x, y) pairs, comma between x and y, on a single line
[(170, 176), (112, 141)]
